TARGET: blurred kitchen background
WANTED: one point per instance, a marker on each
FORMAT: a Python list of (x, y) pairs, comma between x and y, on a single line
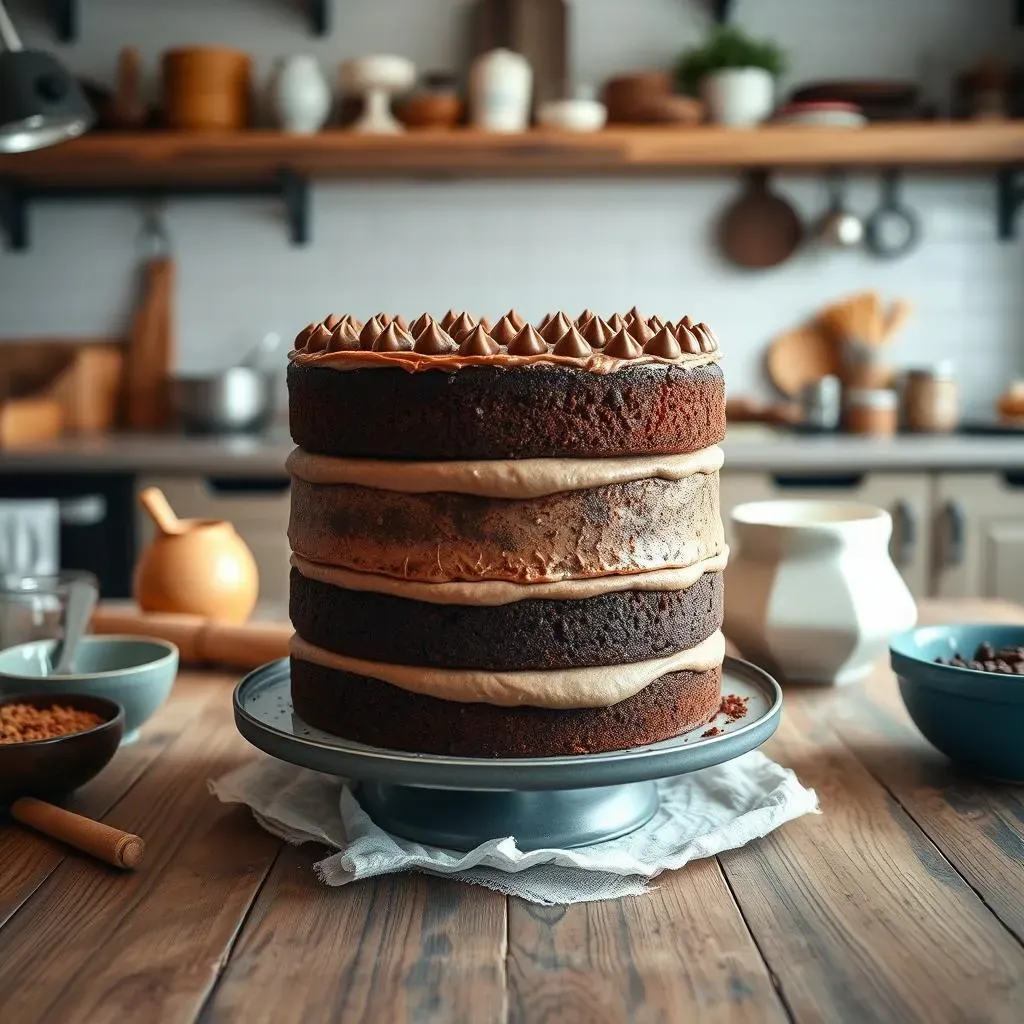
[(433, 240)]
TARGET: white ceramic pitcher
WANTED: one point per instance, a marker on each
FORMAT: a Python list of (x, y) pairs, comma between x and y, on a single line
[(811, 592)]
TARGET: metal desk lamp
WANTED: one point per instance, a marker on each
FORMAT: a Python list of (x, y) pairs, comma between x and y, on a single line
[(40, 103)]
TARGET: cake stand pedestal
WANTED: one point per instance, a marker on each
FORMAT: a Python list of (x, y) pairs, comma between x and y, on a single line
[(544, 802)]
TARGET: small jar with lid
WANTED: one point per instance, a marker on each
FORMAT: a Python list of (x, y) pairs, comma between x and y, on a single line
[(931, 403), (873, 412)]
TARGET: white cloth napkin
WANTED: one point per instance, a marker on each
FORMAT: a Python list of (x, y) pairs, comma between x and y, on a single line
[(701, 814)]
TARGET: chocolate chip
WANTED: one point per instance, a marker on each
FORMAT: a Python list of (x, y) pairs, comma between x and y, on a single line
[(984, 652)]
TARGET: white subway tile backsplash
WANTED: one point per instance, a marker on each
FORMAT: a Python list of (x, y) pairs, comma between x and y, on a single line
[(487, 245)]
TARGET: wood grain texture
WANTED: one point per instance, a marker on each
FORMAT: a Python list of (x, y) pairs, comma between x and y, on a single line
[(82, 905), (680, 953), (858, 915), (127, 157), (27, 857), (395, 948), (978, 826)]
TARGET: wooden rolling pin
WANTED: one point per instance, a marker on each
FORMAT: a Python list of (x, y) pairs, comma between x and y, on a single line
[(199, 640), (111, 845)]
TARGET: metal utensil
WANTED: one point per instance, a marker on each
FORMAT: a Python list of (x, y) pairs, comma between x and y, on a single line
[(81, 602), (266, 346), (893, 229), (839, 227), (821, 404), (237, 400)]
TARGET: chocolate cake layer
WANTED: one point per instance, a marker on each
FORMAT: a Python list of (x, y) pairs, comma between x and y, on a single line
[(376, 713), (437, 537), (535, 634), (497, 413)]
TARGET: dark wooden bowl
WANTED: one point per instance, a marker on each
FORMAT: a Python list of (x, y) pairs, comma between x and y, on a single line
[(52, 768)]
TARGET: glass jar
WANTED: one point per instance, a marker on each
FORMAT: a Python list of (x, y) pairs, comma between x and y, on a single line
[(931, 403), (873, 412)]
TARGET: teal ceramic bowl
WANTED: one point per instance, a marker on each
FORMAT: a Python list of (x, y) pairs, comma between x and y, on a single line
[(135, 672), (975, 718)]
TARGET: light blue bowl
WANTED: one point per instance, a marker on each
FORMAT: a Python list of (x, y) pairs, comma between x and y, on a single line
[(135, 672), (974, 718)]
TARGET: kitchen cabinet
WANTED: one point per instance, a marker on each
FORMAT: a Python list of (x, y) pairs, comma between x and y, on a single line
[(907, 496), (979, 534), (258, 509)]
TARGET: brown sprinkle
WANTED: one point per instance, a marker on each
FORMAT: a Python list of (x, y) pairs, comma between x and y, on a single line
[(23, 723)]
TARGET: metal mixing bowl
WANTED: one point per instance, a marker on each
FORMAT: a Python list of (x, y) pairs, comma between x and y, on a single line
[(238, 400)]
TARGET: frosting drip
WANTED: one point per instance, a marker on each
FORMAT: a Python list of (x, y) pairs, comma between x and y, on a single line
[(596, 687), (500, 478)]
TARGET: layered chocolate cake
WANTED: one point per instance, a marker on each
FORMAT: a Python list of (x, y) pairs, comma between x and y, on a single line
[(506, 537)]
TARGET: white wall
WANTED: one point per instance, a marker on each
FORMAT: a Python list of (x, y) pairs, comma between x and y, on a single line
[(535, 245)]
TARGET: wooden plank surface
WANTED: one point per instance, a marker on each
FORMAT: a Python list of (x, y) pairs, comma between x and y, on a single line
[(85, 917), (118, 158), (397, 948), (680, 953), (858, 915), (899, 903)]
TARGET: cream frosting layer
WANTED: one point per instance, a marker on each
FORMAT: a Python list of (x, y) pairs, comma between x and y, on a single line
[(496, 592), (418, 362), (597, 687), (500, 478)]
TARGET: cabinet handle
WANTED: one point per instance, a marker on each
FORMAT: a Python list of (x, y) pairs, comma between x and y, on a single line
[(955, 527), (823, 481), (245, 485), (905, 534)]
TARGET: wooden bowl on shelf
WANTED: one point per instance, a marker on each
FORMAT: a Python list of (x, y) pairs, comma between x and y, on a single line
[(206, 89)]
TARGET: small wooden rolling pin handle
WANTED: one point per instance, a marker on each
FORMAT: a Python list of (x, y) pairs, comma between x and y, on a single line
[(121, 849)]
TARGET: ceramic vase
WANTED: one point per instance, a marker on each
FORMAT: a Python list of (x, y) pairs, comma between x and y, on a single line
[(739, 97), (500, 91), (811, 591), (299, 95)]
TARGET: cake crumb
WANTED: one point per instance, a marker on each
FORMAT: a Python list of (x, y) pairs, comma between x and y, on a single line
[(734, 707), (713, 731)]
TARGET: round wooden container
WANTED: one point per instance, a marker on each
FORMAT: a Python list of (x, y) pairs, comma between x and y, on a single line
[(207, 89)]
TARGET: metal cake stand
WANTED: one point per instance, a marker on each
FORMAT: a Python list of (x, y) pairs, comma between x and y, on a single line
[(545, 802)]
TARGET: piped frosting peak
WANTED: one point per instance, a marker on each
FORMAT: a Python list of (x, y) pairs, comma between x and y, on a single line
[(664, 345), (556, 326), (623, 346), (504, 330), (527, 343), (478, 342), (372, 330), (432, 341), (573, 344), (393, 339)]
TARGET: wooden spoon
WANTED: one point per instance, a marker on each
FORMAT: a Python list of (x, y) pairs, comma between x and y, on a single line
[(159, 508)]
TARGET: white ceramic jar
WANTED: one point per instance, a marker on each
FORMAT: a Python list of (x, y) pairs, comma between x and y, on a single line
[(811, 592), (299, 95), (740, 97), (500, 91)]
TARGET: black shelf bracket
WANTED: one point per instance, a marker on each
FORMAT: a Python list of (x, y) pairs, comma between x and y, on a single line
[(720, 10), (320, 17), (291, 188), (64, 15), (295, 195), (1009, 198)]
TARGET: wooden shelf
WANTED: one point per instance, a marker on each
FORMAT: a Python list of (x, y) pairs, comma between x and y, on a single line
[(172, 158)]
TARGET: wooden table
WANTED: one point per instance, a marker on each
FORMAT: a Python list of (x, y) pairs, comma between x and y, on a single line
[(903, 902)]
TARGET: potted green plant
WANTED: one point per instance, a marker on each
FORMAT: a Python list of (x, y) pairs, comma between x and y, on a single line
[(734, 74)]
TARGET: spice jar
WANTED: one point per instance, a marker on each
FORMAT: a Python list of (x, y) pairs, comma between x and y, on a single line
[(930, 400), (871, 411)]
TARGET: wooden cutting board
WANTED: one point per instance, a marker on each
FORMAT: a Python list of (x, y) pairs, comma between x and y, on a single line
[(537, 29), (151, 350)]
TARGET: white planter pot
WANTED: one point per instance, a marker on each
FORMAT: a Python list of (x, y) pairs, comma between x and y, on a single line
[(811, 592), (739, 96), (299, 95), (500, 90)]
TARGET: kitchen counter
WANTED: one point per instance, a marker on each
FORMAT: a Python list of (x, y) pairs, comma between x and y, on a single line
[(747, 448), (901, 901)]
